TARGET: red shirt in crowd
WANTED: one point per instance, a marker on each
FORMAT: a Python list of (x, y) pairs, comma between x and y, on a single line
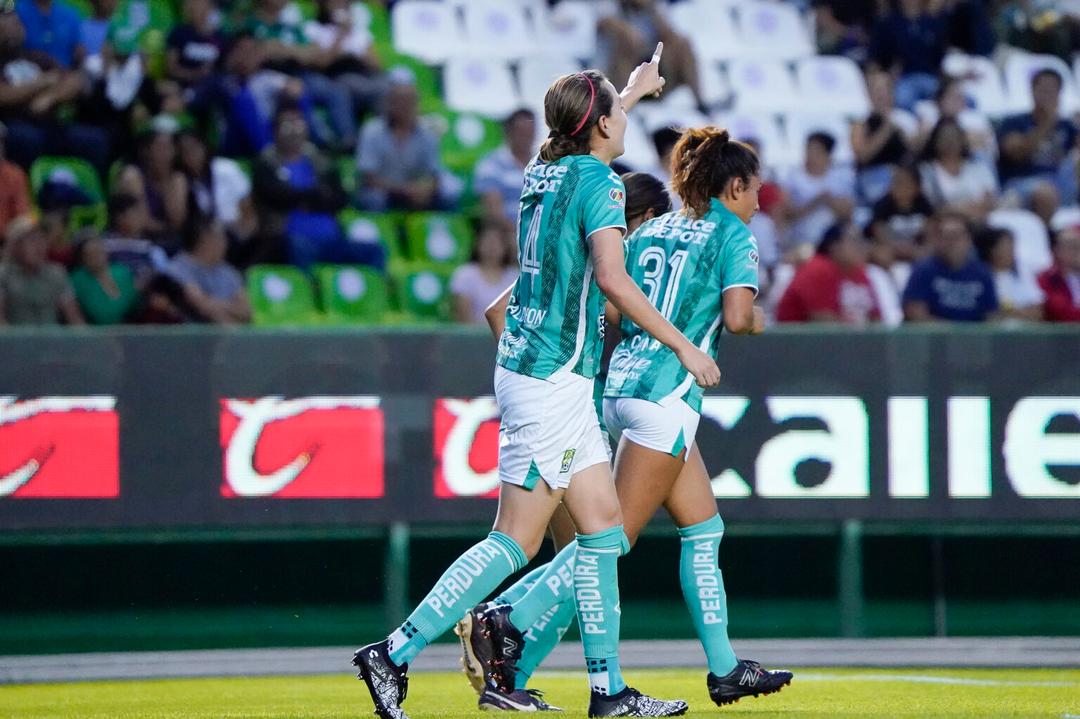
[(1062, 292), (14, 193), (821, 285)]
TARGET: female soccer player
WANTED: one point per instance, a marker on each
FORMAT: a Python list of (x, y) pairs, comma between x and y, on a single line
[(699, 267), (551, 450)]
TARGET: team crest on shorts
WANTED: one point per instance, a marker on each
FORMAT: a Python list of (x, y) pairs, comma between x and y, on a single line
[(567, 460)]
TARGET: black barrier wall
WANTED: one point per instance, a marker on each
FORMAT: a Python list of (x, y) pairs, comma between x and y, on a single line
[(202, 428)]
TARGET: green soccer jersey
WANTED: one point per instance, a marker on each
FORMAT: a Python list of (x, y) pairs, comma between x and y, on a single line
[(554, 321), (683, 265)]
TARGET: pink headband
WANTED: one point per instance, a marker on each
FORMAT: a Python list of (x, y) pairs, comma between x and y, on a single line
[(592, 97)]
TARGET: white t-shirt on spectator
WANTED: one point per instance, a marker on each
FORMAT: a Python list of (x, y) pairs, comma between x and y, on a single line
[(1017, 289), (468, 281), (888, 295), (803, 187), (972, 184), (231, 186)]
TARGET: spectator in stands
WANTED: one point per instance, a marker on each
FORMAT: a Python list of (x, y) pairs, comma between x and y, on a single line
[(820, 196), (156, 181), (887, 277), (95, 28), (832, 285), (910, 44), (664, 140), (126, 240), (492, 268), (629, 37), (499, 176), (195, 47), (298, 193), (843, 26), (1018, 292), (878, 142), (1039, 26), (14, 186), (952, 179), (219, 188), (353, 62), (212, 287), (247, 105), (33, 88), (52, 27), (899, 217), (105, 290), (950, 103), (1038, 149), (1061, 283), (397, 158), (33, 291), (952, 284)]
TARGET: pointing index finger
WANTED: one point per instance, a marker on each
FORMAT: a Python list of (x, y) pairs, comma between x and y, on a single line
[(657, 53)]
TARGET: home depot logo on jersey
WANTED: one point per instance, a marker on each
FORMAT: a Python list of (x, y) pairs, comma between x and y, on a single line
[(330, 447), (466, 447), (59, 447)]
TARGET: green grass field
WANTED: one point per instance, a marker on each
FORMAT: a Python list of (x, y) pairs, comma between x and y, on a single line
[(821, 692)]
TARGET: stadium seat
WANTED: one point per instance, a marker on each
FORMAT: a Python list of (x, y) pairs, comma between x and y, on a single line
[(380, 227), (425, 76), (1065, 217), (1019, 69), (800, 125), (438, 238), (762, 86), (74, 169), (426, 29), (500, 28), (422, 290), (352, 293), (982, 82), (1032, 245), (480, 85), (569, 29), (832, 85), (772, 30), (537, 72), (710, 26), (715, 87), (465, 137), (654, 115), (281, 295), (776, 151), (640, 154)]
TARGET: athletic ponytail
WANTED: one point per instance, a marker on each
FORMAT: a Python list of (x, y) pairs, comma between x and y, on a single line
[(704, 161), (572, 106)]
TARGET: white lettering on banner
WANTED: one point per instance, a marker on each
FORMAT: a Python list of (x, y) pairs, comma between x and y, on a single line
[(909, 473), (459, 475), (727, 411), (1029, 448), (843, 445), (253, 417), (969, 447)]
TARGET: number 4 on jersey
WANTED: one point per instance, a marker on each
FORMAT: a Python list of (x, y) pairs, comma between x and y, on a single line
[(530, 260)]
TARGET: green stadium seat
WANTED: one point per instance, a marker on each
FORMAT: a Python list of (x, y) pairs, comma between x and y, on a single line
[(427, 79), (379, 27), (437, 237), (85, 177), (352, 293), (382, 227), (422, 290), (467, 138), (281, 295)]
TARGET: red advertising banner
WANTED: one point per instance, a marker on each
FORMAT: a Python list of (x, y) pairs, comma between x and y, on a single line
[(59, 447), (305, 447), (466, 447)]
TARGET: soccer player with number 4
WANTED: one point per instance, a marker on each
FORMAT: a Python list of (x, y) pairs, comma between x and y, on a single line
[(698, 267), (551, 449)]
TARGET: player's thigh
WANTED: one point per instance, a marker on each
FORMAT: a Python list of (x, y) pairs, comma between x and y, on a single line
[(643, 478), (561, 527), (524, 513), (691, 500), (591, 500)]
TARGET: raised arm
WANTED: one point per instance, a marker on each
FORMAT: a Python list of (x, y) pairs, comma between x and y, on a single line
[(645, 80)]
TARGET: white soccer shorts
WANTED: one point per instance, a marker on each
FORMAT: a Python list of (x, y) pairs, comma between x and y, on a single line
[(670, 427)]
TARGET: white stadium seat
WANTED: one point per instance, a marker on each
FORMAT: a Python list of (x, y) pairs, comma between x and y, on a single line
[(715, 87), (832, 84), (1032, 245), (537, 72), (1065, 217), (772, 30), (569, 29), (982, 82), (710, 26), (800, 125), (640, 152), (762, 86), (426, 29), (480, 85), (498, 28), (776, 151), (1021, 67), (654, 115)]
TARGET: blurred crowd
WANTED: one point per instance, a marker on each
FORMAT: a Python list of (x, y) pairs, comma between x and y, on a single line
[(151, 153)]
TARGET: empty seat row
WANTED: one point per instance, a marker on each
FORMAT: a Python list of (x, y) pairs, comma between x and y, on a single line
[(1000, 92)]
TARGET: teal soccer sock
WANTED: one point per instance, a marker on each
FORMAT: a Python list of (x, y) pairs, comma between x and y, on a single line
[(554, 586), (703, 588), (471, 577), (543, 636), (518, 589), (596, 596)]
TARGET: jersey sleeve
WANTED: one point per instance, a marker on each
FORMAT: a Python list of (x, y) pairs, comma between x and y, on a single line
[(603, 201), (740, 261)]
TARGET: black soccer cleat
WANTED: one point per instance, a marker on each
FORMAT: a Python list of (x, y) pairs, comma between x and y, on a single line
[(505, 643), (632, 703), (386, 682), (519, 700), (747, 679), (475, 649)]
